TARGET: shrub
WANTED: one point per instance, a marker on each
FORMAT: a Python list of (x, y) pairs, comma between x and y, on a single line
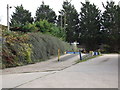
[(21, 49), (43, 26), (45, 46), (29, 28)]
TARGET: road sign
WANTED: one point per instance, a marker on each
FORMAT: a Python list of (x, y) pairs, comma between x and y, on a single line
[(75, 45)]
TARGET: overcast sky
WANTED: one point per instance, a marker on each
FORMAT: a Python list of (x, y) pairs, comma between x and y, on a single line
[(32, 6)]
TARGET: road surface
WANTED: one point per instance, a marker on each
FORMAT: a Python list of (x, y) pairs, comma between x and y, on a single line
[(100, 72)]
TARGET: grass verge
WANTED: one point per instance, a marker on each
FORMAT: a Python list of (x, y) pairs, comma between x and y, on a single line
[(78, 61)]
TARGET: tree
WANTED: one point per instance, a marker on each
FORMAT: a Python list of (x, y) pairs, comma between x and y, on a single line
[(68, 20), (111, 21), (89, 26), (118, 23), (20, 17), (44, 12)]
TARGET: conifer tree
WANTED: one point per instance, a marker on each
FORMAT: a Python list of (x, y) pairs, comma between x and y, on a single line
[(44, 12), (68, 20), (89, 26), (20, 17)]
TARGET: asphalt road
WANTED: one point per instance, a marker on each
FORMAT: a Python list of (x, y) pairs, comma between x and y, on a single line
[(100, 72)]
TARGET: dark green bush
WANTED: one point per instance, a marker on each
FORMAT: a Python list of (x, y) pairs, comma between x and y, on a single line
[(108, 49)]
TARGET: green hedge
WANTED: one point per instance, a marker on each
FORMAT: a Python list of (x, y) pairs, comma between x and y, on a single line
[(21, 49)]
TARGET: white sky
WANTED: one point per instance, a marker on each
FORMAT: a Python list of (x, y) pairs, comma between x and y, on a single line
[(32, 6)]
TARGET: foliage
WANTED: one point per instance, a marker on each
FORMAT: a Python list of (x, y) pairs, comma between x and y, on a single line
[(58, 32), (20, 17), (26, 51), (29, 28), (48, 28), (21, 49), (11, 36), (68, 20), (43, 26), (89, 26), (106, 49), (110, 22), (15, 51), (44, 12), (46, 45)]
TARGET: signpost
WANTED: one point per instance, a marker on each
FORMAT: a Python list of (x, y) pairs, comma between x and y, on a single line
[(58, 54), (75, 45)]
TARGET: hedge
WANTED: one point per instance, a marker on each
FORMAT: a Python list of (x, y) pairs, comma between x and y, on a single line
[(21, 49)]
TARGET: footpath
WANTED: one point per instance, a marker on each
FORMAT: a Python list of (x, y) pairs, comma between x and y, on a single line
[(53, 64)]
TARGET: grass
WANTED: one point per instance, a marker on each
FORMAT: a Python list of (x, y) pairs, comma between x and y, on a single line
[(78, 61)]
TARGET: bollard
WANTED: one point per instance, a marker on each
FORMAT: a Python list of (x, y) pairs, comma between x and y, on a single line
[(96, 53), (80, 55), (92, 53), (58, 54), (65, 52)]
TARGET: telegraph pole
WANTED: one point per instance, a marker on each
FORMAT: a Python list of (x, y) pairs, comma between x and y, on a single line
[(61, 21), (119, 3), (8, 17), (64, 21), (8, 25)]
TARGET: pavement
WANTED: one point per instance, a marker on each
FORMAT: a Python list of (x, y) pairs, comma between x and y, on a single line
[(100, 72), (45, 66)]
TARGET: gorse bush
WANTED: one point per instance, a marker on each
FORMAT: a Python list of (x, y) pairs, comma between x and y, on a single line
[(21, 49)]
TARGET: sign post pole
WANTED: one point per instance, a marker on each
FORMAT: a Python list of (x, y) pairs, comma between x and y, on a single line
[(80, 55), (58, 54)]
